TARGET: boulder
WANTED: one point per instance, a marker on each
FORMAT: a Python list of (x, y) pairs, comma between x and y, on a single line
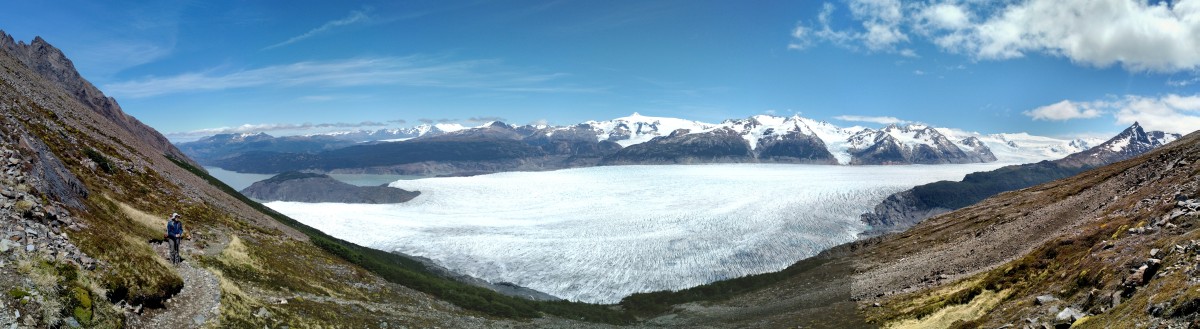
[(1068, 315), (1044, 299)]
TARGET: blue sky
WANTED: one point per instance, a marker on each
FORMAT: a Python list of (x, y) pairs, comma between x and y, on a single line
[(1048, 67)]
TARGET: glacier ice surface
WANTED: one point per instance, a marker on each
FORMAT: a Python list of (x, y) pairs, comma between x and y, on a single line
[(600, 234)]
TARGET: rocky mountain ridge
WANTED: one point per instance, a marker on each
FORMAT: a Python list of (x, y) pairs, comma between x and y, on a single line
[(904, 209), (51, 64), (770, 139), (631, 140)]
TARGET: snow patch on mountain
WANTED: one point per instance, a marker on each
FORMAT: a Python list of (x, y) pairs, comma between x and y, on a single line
[(1023, 147), (841, 142), (637, 128)]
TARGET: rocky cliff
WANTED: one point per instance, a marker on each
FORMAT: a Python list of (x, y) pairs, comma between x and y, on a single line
[(52, 65)]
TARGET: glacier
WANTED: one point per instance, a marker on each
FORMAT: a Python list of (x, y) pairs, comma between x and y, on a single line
[(602, 233)]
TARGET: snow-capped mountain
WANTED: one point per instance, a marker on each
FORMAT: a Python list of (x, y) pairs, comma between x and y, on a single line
[(637, 128), (1131, 142), (914, 143), (636, 139), (843, 143), (394, 134)]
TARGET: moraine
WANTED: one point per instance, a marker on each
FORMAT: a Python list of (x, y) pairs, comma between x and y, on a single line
[(600, 234)]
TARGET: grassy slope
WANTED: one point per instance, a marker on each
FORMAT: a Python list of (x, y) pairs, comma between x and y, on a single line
[(1082, 268)]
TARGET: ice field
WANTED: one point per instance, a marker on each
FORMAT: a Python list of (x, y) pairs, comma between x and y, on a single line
[(600, 234)]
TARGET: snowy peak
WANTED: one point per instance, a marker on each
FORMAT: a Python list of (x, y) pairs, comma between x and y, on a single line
[(1136, 140), (914, 143), (637, 128), (1131, 142)]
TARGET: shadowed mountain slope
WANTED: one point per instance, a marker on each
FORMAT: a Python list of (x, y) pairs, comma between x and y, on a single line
[(901, 210)]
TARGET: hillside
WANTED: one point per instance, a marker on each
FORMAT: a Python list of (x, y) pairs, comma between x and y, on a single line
[(86, 190), (904, 209), (1112, 247)]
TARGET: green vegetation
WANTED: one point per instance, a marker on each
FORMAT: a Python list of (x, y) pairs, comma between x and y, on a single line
[(651, 303), (99, 159), (413, 274), (17, 293)]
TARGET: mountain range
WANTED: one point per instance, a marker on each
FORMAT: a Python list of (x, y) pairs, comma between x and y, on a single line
[(450, 149)]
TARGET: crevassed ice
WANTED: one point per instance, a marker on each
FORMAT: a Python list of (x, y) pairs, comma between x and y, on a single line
[(600, 234)]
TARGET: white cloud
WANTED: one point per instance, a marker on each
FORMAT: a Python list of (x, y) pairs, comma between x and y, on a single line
[(1064, 110), (879, 120), (357, 16), (1173, 113), (1170, 113), (1158, 36), (413, 71), (945, 16), (881, 28), (801, 38)]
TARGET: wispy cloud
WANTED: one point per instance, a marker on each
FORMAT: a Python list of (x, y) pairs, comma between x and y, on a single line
[(355, 17), (879, 120), (1158, 36), (411, 71), (429, 121), (485, 119), (268, 127), (1182, 82)]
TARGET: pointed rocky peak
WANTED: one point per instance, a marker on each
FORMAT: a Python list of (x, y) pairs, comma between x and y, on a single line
[(972, 142), (48, 62), (1131, 142), (497, 125)]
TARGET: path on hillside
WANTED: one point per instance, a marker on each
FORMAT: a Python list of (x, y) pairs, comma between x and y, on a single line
[(196, 304)]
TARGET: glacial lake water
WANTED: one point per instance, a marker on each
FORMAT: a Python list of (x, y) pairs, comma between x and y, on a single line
[(600, 234)]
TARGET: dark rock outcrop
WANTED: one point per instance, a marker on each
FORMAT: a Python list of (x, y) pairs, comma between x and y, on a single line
[(681, 147), (306, 187)]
